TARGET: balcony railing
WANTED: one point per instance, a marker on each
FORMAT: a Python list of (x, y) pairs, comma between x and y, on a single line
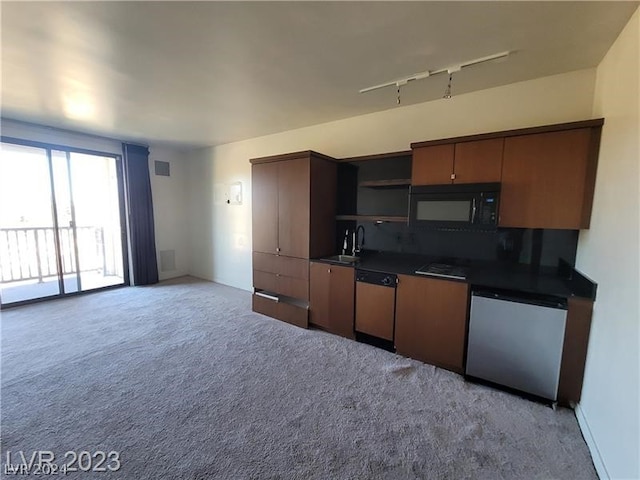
[(30, 253)]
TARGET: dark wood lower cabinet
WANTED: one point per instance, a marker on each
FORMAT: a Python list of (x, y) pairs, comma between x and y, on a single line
[(574, 350), (287, 312), (331, 298), (431, 320)]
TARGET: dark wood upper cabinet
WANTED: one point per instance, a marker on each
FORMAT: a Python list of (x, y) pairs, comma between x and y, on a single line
[(548, 179), (432, 165), (293, 207), (479, 161), (332, 297), (264, 192), (431, 320), (294, 204)]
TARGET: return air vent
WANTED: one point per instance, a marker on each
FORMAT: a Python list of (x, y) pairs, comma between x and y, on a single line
[(163, 168)]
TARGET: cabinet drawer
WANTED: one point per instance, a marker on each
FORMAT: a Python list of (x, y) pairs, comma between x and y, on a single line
[(287, 312), (265, 281), (281, 284), (292, 287), (265, 306), (289, 266)]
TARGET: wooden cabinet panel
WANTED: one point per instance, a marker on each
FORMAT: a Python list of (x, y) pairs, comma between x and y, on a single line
[(293, 267), (431, 320), (293, 207), (342, 301), (324, 203), (574, 350), (265, 262), (432, 165), (546, 179), (287, 312), (375, 309), (264, 192), (331, 298), (479, 161), (264, 306), (292, 287), (289, 266), (320, 294), (264, 281)]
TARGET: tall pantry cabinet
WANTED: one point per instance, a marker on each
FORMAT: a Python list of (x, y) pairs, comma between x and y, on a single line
[(294, 209)]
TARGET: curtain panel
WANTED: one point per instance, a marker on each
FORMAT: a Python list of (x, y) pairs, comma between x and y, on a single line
[(140, 207)]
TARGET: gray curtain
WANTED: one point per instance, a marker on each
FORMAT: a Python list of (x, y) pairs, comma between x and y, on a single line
[(143, 243)]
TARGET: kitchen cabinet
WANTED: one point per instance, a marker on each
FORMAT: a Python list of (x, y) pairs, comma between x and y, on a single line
[(548, 179), (294, 208), (332, 297), (477, 161), (431, 319)]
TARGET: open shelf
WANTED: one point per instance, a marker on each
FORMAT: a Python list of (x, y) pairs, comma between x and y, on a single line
[(399, 182), (373, 218)]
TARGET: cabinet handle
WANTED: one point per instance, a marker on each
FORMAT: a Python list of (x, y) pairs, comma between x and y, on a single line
[(268, 297), (473, 211), (278, 249), (453, 176), (328, 270)]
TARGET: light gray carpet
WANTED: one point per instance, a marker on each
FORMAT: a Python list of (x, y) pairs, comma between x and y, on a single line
[(187, 383)]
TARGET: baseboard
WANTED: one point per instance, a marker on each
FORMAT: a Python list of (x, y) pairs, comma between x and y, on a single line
[(598, 462)]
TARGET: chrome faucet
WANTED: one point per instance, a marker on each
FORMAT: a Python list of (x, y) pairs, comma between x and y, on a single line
[(345, 243), (357, 246)]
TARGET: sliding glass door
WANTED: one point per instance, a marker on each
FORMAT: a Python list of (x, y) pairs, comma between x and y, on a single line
[(61, 222)]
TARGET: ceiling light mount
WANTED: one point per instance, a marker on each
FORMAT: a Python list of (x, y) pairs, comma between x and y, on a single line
[(428, 73)]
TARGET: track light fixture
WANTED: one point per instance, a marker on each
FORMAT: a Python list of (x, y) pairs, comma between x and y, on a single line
[(426, 74)]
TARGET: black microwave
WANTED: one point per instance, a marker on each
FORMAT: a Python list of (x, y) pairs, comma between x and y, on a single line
[(465, 206)]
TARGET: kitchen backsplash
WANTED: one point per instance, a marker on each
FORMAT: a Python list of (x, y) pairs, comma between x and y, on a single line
[(510, 245)]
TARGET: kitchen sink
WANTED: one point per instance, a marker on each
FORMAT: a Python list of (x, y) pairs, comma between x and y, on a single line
[(346, 259)]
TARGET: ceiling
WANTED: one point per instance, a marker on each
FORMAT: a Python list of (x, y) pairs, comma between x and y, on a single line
[(208, 73)]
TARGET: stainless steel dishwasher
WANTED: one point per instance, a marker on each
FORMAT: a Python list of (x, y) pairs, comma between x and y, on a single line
[(516, 341)]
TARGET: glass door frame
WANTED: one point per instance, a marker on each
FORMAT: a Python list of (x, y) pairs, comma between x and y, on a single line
[(49, 148)]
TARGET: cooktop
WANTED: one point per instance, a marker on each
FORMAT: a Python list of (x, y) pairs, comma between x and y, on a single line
[(443, 270)]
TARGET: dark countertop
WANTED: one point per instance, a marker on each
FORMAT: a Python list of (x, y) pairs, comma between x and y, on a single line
[(560, 282)]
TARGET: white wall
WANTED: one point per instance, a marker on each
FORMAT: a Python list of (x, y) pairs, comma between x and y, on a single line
[(221, 234), (170, 208), (609, 253)]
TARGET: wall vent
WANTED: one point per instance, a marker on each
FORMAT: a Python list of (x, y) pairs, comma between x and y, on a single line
[(167, 260), (163, 168)]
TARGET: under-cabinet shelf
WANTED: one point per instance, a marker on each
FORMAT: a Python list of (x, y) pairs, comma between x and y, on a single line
[(398, 182), (373, 218)]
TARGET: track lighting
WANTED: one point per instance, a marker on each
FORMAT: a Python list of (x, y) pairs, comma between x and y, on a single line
[(426, 74)]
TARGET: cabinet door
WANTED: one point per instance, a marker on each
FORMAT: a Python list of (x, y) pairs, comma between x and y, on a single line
[(478, 162), (319, 292), (432, 165), (544, 180), (264, 192), (293, 207), (375, 307), (342, 301), (431, 320)]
